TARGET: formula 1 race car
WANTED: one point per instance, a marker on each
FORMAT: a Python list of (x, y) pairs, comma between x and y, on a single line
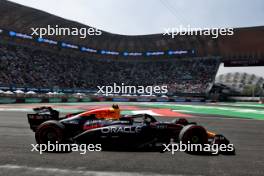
[(107, 127)]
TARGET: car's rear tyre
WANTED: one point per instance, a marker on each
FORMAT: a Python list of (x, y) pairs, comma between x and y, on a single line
[(193, 134), (50, 131)]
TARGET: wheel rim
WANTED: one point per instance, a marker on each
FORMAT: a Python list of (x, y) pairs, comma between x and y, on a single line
[(195, 139)]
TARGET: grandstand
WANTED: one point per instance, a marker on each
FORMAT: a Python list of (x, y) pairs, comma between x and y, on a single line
[(186, 64), (26, 67), (241, 82)]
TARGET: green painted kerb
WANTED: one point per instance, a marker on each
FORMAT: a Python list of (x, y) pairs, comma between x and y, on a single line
[(214, 110)]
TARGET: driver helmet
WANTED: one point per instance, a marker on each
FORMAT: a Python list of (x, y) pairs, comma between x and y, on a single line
[(115, 106)]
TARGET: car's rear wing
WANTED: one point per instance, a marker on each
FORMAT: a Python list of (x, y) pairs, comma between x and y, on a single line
[(41, 115)]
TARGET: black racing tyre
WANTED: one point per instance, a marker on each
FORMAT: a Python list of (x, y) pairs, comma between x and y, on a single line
[(193, 134), (51, 130)]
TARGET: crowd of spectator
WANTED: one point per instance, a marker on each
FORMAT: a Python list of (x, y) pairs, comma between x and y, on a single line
[(29, 67)]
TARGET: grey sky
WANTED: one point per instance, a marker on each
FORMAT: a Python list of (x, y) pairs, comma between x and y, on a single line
[(133, 17)]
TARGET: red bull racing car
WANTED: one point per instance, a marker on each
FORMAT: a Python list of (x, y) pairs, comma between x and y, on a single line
[(107, 127)]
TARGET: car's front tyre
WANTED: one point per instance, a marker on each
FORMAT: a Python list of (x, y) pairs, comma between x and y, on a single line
[(193, 134)]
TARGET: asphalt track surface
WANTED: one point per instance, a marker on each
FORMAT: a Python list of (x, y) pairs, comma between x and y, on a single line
[(16, 157)]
